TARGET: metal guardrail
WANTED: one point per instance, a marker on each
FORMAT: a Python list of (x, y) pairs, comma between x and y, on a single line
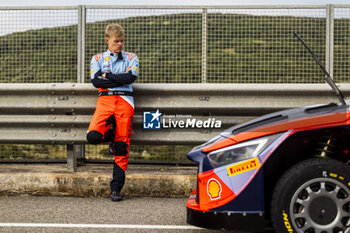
[(60, 113)]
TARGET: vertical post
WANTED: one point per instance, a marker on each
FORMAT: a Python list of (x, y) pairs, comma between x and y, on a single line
[(329, 39), (81, 43), (71, 159), (204, 45), (76, 153), (81, 149)]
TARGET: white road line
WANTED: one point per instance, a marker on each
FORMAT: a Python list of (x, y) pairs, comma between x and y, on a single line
[(115, 226)]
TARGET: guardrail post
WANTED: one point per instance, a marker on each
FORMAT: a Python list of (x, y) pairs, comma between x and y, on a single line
[(329, 39), (75, 157)]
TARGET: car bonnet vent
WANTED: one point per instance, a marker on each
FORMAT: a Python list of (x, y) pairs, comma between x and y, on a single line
[(321, 108), (260, 123)]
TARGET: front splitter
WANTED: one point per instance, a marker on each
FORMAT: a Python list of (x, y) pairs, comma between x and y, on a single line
[(226, 220)]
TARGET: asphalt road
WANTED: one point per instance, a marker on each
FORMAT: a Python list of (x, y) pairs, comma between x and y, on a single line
[(71, 214)]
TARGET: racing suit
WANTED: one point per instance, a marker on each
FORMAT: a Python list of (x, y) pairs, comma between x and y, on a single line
[(114, 112)]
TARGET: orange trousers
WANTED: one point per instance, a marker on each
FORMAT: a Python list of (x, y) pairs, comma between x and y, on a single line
[(121, 112)]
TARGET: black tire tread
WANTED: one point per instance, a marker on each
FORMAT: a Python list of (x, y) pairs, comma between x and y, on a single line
[(297, 168)]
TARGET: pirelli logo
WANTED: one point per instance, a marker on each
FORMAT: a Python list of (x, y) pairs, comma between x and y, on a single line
[(243, 167)]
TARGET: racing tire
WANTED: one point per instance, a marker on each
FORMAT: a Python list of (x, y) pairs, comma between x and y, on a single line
[(313, 196)]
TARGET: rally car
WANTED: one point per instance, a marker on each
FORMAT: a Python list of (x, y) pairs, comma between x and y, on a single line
[(290, 167)]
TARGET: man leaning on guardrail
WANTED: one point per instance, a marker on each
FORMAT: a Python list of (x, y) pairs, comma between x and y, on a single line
[(113, 73)]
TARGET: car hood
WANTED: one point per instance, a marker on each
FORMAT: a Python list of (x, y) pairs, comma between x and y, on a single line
[(286, 115), (302, 118)]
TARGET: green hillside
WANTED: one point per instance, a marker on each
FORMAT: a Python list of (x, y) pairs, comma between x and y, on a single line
[(240, 48)]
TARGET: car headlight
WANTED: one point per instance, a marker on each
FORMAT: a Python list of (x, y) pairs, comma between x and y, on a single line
[(241, 151)]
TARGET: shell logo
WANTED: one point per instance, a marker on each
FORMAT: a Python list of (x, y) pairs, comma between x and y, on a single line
[(214, 189), (107, 58)]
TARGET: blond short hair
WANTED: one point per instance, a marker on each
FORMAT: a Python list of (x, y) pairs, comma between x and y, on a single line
[(114, 29)]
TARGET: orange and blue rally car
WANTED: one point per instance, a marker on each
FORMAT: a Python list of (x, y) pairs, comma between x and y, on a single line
[(289, 168)]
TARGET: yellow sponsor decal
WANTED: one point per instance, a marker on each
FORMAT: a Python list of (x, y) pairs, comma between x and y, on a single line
[(243, 167), (286, 222), (333, 175), (341, 178), (92, 71), (107, 58)]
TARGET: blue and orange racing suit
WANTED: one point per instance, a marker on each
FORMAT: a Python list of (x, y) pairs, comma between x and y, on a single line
[(112, 120)]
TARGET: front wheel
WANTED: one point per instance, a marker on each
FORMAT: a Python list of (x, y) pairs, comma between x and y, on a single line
[(313, 197)]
